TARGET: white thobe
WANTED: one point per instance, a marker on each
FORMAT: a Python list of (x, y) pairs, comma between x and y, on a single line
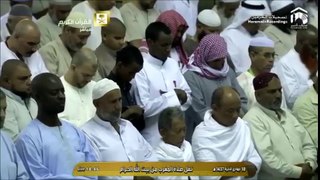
[(4, 33), (11, 164), (246, 82), (94, 39), (48, 29), (129, 146), (34, 62), (169, 153), (53, 152), (238, 41), (79, 107), (294, 76), (188, 10), (154, 77), (174, 55), (19, 113), (212, 142)]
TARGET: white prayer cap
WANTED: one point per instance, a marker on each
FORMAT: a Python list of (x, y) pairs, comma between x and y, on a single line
[(78, 20), (230, 1), (262, 41), (276, 5), (102, 87), (60, 2), (209, 18)]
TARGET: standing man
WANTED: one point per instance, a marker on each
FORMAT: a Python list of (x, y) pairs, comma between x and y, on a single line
[(57, 54), (129, 63), (78, 85), (49, 24), (23, 45), (137, 15), (208, 21), (240, 32), (283, 143), (223, 136), (188, 9), (160, 83), (50, 147), (226, 10), (16, 84)]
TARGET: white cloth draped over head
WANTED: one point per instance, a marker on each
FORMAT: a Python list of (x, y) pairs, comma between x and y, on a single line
[(169, 153), (209, 18), (102, 87), (243, 14), (277, 5), (212, 142), (262, 41)]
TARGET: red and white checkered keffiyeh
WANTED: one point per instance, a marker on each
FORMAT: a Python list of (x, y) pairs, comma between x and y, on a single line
[(173, 20), (211, 47)]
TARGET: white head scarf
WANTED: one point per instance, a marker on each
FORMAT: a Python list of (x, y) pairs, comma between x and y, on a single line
[(246, 10)]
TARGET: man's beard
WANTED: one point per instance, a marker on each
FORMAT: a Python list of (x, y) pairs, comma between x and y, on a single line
[(23, 95), (111, 117)]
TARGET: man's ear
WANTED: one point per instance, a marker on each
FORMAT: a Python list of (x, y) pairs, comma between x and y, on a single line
[(72, 67), (149, 42), (214, 107)]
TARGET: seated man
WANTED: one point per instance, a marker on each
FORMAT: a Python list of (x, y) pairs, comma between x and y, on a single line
[(129, 62), (17, 13), (112, 41), (297, 68), (305, 110), (173, 146), (15, 83), (78, 85), (57, 54), (49, 147), (223, 136), (23, 45), (116, 139), (283, 143), (262, 56), (11, 164)]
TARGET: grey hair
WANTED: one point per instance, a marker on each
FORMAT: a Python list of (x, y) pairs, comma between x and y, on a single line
[(167, 115)]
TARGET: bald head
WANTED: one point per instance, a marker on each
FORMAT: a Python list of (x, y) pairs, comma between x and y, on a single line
[(226, 106), (114, 25), (26, 27), (10, 66), (42, 82), (224, 94), (84, 55)]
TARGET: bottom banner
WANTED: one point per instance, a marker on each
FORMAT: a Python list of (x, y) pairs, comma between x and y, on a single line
[(161, 169)]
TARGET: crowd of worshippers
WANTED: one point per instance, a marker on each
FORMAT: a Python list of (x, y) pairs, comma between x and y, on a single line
[(160, 82)]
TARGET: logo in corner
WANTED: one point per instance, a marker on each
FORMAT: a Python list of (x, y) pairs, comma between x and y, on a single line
[(101, 18), (299, 18)]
